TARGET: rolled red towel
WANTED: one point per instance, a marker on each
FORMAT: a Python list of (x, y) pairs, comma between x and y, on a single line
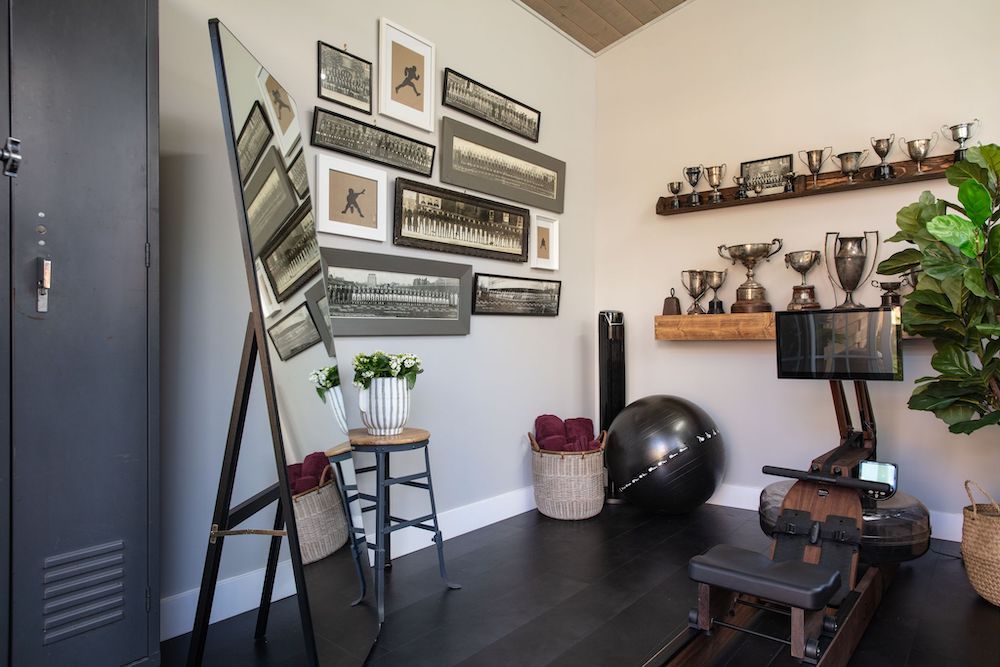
[(294, 472), (580, 427), (304, 483), (313, 464), (546, 425), (554, 443)]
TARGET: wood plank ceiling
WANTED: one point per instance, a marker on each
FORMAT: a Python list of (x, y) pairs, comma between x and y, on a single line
[(597, 24)]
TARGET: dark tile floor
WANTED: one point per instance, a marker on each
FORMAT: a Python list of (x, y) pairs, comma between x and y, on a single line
[(607, 591)]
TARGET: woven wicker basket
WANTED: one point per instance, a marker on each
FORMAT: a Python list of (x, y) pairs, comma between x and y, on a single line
[(320, 520), (981, 544), (568, 485)]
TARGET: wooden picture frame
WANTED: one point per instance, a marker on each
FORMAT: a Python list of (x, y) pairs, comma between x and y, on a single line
[(406, 76), (513, 295), (253, 140), (292, 258), (270, 199), (363, 202), (294, 333), (772, 170), (343, 78), (475, 159), (544, 246), (467, 95), (433, 218), (335, 132)]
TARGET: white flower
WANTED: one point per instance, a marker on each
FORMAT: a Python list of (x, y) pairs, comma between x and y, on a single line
[(409, 363)]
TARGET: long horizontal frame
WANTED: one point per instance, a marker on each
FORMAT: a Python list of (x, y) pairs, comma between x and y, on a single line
[(475, 290), (449, 73), (312, 139)]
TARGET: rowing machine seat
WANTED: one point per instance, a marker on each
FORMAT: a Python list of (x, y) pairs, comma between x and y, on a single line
[(793, 583)]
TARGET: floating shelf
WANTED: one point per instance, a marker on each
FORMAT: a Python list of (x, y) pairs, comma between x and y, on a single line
[(829, 182), (734, 326)]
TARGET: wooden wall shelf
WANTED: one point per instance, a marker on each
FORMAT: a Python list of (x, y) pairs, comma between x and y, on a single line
[(829, 182), (734, 326)]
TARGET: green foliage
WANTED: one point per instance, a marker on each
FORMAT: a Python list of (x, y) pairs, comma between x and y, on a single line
[(325, 379), (956, 301), (367, 367)]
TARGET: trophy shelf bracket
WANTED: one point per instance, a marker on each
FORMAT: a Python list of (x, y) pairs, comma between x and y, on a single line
[(828, 183)]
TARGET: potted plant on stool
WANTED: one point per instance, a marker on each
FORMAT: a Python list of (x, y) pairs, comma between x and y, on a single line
[(385, 381)]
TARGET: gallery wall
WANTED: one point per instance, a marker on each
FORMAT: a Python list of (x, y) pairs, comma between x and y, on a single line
[(723, 82), (479, 393)]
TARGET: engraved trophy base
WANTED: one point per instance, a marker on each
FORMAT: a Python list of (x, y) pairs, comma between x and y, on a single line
[(803, 298), (715, 307), (751, 307), (716, 197), (750, 299), (884, 172), (694, 199)]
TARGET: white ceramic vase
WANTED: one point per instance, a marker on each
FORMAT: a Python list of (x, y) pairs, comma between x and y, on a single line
[(385, 406), (335, 399)]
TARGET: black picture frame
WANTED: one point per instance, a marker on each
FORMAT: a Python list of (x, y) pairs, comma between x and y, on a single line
[(373, 323), (452, 99), (778, 165), (290, 347), (538, 308), (293, 239), (249, 154), (502, 227), (320, 311), (271, 215), (376, 137), (298, 175), (346, 98)]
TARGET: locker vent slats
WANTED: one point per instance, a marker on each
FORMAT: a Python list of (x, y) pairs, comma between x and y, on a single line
[(82, 590)]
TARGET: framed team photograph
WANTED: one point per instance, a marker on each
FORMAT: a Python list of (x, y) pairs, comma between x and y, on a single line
[(406, 76), (294, 333), (344, 78), (471, 97), (297, 175), (509, 295), (350, 198), (544, 247), (434, 218), (352, 137), (281, 111), (253, 139), (270, 199), (293, 257), (769, 173)]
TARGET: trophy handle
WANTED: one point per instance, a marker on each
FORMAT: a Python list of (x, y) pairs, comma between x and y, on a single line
[(978, 125), (831, 271), (944, 129), (723, 171), (874, 254), (802, 159), (730, 257), (822, 161), (892, 139), (934, 140), (776, 250), (864, 156), (902, 144)]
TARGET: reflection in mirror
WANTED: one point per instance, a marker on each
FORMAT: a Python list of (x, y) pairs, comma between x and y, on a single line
[(288, 284)]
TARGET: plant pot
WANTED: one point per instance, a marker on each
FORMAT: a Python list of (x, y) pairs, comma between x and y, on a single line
[(335, 399), (385, 406)]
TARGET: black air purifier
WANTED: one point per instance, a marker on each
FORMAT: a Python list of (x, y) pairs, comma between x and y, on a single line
[(611, 370)]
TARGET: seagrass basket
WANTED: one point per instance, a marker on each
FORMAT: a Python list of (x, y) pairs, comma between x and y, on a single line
[(981, 544), (568, 485), (320, 520)]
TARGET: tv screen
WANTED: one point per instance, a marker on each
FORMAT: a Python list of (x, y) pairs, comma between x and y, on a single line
[(861, 344)]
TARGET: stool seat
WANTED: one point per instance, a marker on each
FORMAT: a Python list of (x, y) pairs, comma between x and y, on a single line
[(361, 438), (794, 583), (339, 450)]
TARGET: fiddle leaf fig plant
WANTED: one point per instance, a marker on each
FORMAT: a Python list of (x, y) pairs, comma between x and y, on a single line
[(955, 252)]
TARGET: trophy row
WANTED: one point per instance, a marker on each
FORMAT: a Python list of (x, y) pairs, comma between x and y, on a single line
[(850, 163), (849, 268)]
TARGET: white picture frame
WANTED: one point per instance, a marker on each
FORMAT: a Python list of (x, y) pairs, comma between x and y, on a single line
[(406, 76), (545, 229), (287, 131), (333, 176)]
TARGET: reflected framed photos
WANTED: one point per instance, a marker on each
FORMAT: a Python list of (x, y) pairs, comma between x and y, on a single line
[(406, 76), (372, 294), (769, 172), (269, 198), (319, 308), (297, 175), (294, 333), (544, 243), (434, 218), (293, 256), (343, 78), (352, 137), (350, 198), (510, 295), (471, 97), (253, 139), (475, 159), (281, 111)]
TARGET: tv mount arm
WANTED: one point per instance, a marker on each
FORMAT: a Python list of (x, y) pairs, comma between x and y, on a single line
[(855, 446)]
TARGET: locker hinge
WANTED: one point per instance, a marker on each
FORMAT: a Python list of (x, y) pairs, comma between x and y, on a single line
[(148, 251), (149, 601)]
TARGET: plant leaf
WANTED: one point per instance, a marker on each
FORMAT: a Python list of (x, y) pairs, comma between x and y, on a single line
[(992, 258), (988, 157), (929, 298), (976, 424), (901, 262), (975, 281), (955, 413), (976, 200), (958, 232), (940, 263), (962, 171), (951, 359), (989, 329)]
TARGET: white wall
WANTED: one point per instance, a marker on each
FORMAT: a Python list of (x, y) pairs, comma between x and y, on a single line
[(480, 392), (722, 81)]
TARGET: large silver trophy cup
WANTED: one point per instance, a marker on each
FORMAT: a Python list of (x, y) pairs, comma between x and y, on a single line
[(750, 295), (803, 295), (850, 163), (850, 257), (814, 160), (695, 281), (919, 149), (714, 176), (960, 133)]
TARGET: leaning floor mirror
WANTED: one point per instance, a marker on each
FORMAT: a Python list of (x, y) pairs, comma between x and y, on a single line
[(295, 343)]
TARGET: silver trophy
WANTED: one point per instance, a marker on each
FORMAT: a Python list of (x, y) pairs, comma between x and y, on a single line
[(695, 281), (814, 160), (850, 256), (750, 295), (882, 147), (741, 186), (803, 295), (715, 280), (693, 175), (890, 292), (714, 176), (960, 134), (850, 163), (919, 149), (675, 189), (789, 181)]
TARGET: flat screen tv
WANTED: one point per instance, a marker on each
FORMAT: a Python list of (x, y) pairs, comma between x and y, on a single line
[(861, 344)]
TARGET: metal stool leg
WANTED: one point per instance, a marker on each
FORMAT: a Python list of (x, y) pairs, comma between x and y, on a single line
[(381, 521), (356, 546), (438, 540)]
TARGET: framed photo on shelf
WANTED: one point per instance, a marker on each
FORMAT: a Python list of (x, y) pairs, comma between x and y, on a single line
[(344, 78), (297, 175), (406, 76), (475, 159), (509, 295), (253, 139), (319, 308), (350, 198), (544, 243), (294, 333), (293, 256), (281, 110), (470, 96), (769, 172), (372, 294), (270, 199), (434, 218), (352, 137)]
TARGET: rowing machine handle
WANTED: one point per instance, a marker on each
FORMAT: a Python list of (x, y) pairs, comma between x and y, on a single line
[(824, 478)]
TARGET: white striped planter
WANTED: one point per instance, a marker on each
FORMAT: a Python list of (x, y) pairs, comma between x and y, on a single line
[(385, 407), (335, 399)]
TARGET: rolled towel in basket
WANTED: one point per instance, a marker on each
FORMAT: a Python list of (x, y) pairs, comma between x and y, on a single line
[(553, 443), (304, 483), (548, 425), (580, 427)]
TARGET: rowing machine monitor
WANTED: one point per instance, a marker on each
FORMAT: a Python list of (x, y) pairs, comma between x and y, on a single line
[(879, 471)]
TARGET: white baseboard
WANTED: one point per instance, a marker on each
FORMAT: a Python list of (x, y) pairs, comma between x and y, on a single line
[(241, 593)]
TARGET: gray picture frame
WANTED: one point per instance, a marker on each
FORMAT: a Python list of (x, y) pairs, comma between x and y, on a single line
[(333, 258), (288, 346), (276, 205), (475, 159), (316, 301)]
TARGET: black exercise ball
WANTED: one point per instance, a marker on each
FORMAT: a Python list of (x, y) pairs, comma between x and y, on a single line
[(665, 453)]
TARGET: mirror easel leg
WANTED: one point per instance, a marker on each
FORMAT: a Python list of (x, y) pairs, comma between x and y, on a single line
[(272, 567)]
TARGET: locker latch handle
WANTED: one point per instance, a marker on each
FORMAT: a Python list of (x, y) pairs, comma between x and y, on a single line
[(10, 156), (44, 283)]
